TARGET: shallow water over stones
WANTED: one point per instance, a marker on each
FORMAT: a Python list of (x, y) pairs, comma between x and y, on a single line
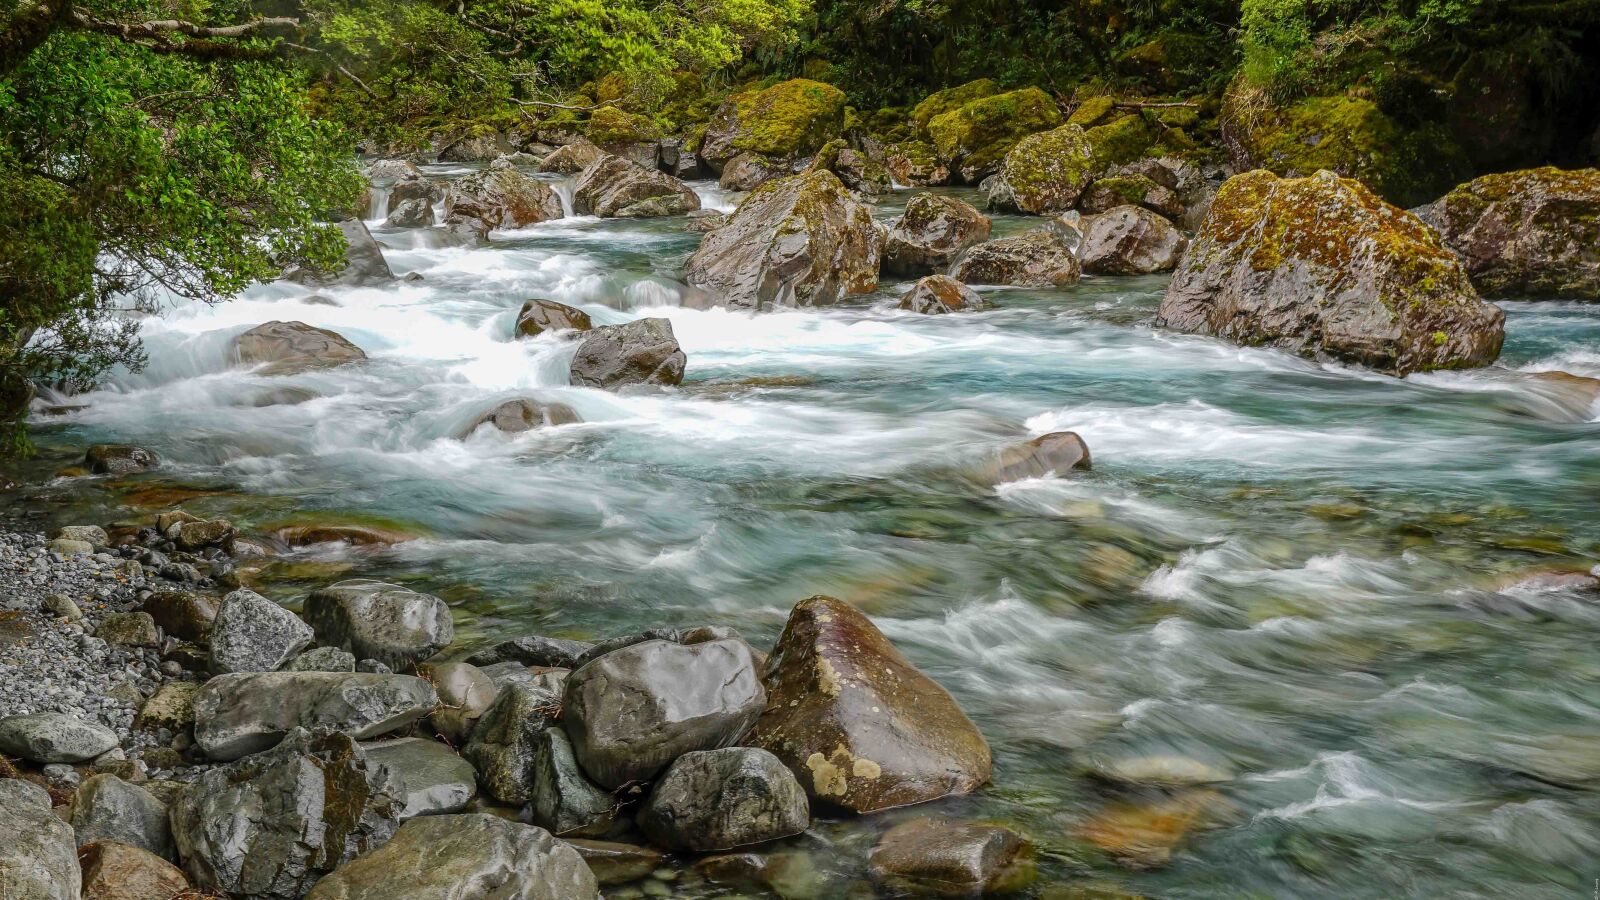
[(1279, 641)]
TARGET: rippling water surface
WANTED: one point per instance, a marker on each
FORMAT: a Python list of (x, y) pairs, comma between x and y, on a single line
[(1286, 577)]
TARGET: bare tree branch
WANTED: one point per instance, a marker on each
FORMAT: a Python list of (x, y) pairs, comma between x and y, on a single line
[(80, 18)]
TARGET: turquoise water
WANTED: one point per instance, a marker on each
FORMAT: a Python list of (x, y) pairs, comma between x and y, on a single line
[(1283, 570)]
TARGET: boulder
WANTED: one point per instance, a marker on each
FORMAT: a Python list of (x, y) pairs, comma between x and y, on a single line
[(119, 459), (914, 164), (948, 100), (748, 171), (414, 213), (53, 737), (434, 778), (931, 233), (571, 159), (1041, 258), (789, 120), (1056, 453), (253, 634), (383, 169), (475, 147), (250, 712), (267, 827), (106, 808), (974, 138), (1045, 173), (323, 659), (858, 724), (798, 241), (464, 857), (182, 614), (615, 863), (202, 533), (129, 629), (1534, 233), (501, 198), (38, 857), (1322, 267), (465, 694), (419, 188), (363, 261), (613, 187), (643, 351), (282, 348), (170, 707), (93, 535), (1129, 240), (860, 172), (523, 414), (377, 620), (932, 858), (113, 871), (1132, 190), (633, 711), (563, 799), (534, 650), (502, 744), (719, 799), (937, 294), (538, 316)]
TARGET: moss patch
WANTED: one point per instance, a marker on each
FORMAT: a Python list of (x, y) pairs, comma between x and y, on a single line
[(609, 125), (790, 119), (940, 102), (979, 135)]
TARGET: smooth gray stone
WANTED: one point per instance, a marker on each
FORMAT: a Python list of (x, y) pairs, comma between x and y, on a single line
[(249, 712), (644, 351), (52, 737), (718, 799), (377, 620), (253, 634), (465, 694), (38, 856), (436, 779), (106, 808), (564, 799)]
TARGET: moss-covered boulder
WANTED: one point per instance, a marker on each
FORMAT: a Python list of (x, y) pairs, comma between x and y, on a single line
[(914, 164), (1044, 173), (973, 139), (609, 125), (1346, 134), (1325, 268), (1533, 233), (1172, 61), (860, 172), (952, 98), (1135, 189), (804, 240), (1120, 140), (789, 120)]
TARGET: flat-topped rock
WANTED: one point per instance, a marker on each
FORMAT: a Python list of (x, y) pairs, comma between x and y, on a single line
[(246, 713)]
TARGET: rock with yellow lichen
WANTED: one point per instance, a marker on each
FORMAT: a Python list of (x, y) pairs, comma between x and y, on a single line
[(1323, 267), (858, 724), (787, 121), (973, 139)]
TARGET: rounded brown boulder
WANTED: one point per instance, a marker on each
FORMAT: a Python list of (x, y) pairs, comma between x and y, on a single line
[(858, 724), (538, 316)]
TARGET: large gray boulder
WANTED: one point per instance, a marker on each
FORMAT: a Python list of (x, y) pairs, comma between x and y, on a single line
[(363, 261), (465, 857), (267, 827), (563, 799), (413, 213), (253, 634), (395, 625), (613, 187), (38, 856), (931, 233), (804, 240), (502, 744), (284, 348), (643, 351), (1041, 258), (435, 779), (501, 198), (572, 158), (52, 737), (235, 715), (1322, 267), (106, 808), (717, 799), (633, 711), (1129, 240)]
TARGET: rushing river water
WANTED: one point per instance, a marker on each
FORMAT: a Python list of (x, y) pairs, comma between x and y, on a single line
[(1288, 575)]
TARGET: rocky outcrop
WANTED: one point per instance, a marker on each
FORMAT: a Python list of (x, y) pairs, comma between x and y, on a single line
[(106, 808), (247, 713), (284, 348), (524, 414), (376, 620), (113, 871), (253, 634), (633, 711), (363, 261), (1322, 267), (119, 459), (929, 857), (571, 159), (787, 121), (858, 724), (464, 857), (52, 737), (38, 857), (538, 316), (267, 827), (1045, 173), (718, 799), (938, 294), (1041, 258), (1532, 234), (974, 138), (435, 780), (643, 351), (931, 233), (797, 241), (415, 213), (1056, 453), (613, 187), (1129, 240), (503, 742), (501, 198)]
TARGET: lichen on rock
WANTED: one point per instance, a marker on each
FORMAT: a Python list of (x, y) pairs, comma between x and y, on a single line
[(974, 138)]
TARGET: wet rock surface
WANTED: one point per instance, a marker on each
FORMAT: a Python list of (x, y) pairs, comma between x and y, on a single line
[(643, 351), (397, 626), (1041, 258), (247, 713), (38, 856), (613, 187), (253, 634), (939, 294), (281, 348), (719, 799), (538, 316), (931, 233), (931, 857), (435, 780)]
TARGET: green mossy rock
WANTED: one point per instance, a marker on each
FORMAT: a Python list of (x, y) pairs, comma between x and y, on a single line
[(789, 120), (1045, 173), (976, 137), (609, 125), (1121, 140), (940, 102), (1093, 111), (914, 164)]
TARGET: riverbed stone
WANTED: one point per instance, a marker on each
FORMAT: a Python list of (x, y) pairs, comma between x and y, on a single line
[(323, 659), (363, 261), (1041, 258), (720, 799), (115, 871), (643, 351), (416, 188), (563, 799), (93, 535), (915, 164), (465, 694), (119, 459), (267, 827), (464, 857), (1056, 453), (748, 171), (1322, 267), (502, 198), (534, 650), (524, 414), (931, 233), (631, 712), (282, 348), (253, 634), (616, 863), (502, 746), (247, 713), (53, 737), (436, 780), (538, 316), (857, 723), (185, 615), (938, 294), (38, 856), (936, 858), (1130, 240), (395, 625), (1045, 173), (974, 138), (106, 808), (572, 158), (804, 240), (413, 213), (613, 187), (170, 707), (128, 629)]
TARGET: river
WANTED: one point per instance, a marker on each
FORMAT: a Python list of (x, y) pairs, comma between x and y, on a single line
[(1286, 573)]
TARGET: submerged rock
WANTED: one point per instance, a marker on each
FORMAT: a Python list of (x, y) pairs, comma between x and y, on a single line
[(797, 241), (38, 856), (246, 713), (119, 459), (643, 351), (253, 634), (52, 737), (1143, 835), (538, 316), (928, 857), (937, 294), (284, 348), (931, 233), (377, 620), (613, 187), (615, 863), (719, 799), (1322, 267), (1129, 240), (858, 725), (1041, 258)]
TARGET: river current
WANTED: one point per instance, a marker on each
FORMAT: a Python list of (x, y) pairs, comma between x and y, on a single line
[(1302, 583)]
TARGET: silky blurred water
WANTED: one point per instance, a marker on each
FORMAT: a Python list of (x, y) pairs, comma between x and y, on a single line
[(1288, 572)]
